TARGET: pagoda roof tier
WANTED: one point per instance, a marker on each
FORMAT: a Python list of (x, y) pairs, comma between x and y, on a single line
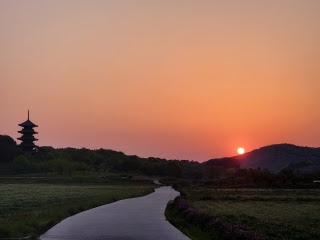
[(30, 131), (23, 144), (27, 144), (28, 123), (23, 138)]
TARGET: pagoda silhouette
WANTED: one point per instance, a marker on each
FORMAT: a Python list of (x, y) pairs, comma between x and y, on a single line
[(27, 137)]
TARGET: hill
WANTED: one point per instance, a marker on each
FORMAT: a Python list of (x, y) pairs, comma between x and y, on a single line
[(275, 157)]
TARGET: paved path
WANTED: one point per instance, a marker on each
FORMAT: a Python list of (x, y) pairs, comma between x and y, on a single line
[(136, 218), (157, 182)]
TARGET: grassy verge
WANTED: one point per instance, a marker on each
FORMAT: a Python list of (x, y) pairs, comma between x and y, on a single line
[(178, 220), (275, 214), (200, 225), (33, 208)]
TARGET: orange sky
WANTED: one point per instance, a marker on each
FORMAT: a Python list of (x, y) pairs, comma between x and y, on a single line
[(175, 79)]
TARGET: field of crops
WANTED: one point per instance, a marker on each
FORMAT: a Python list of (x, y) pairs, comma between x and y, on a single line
[(274, 213), (32, 208)]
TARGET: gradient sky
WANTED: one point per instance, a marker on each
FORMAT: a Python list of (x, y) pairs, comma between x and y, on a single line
[(176, 79)]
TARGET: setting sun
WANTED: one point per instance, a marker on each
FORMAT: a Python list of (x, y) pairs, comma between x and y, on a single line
[(240, 150)]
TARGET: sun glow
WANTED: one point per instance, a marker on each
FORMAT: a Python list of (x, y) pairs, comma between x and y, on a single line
[(240, 150)]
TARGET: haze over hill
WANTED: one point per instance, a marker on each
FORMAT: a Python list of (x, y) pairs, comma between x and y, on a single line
[(274, 158)]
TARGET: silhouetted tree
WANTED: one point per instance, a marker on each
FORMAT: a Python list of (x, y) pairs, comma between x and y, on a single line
[(8, 149), (174, 168), (212, 172)]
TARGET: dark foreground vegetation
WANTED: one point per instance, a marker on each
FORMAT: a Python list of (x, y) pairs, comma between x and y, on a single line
[(205, 213), (220, 198), (66, 161), (30, 205)]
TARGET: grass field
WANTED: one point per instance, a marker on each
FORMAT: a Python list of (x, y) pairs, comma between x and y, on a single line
[(32, 208), (275, 213)]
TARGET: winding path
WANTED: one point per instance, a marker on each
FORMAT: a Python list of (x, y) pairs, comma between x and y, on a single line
[(136, 218)]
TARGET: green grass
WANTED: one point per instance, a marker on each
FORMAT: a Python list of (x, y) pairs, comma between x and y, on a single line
[(278, 214), (32, 208)]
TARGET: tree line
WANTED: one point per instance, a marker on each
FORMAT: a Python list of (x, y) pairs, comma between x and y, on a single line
[(65, 161)]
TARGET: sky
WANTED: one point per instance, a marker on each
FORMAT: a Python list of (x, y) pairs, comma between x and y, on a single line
[(173, 79)]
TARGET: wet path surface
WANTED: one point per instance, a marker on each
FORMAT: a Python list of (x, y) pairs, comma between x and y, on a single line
[(136, 218)]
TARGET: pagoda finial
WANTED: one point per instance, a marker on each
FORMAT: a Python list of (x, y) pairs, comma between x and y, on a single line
[(28, 114)]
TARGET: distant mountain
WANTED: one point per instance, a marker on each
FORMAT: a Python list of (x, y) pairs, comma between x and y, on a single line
[(275, 157)]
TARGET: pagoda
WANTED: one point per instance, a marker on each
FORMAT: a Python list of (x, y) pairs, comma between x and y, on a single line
[(27, 137)]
